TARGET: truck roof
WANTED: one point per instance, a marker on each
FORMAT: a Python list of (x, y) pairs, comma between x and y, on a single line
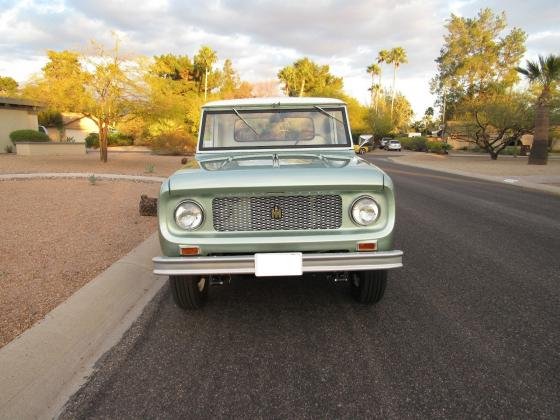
[(271, 101)]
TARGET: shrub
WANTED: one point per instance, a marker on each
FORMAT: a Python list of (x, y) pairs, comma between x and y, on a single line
[(438, 147), (512, 150), (417, 144), (28, 135), (92, 141), (174, 143), (119, 139)]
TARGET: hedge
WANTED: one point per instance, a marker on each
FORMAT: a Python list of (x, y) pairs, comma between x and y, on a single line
[(28, 135), (115, 139), (418, 144), (438, 147)]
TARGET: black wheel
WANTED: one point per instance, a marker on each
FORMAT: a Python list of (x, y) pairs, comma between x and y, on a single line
[(368, 287), (362, 151), (189, 292)]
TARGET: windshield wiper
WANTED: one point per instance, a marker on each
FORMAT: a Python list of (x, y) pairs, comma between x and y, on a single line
[(328, 114), (245, 121)]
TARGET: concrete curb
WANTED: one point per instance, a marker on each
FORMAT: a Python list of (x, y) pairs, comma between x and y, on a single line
[(520, 181), (10, 177), (45, 365)]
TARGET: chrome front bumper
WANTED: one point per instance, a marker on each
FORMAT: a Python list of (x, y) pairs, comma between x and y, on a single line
[(245, 264)]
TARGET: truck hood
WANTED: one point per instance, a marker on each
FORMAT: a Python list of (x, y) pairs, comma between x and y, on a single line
[(277, 172)]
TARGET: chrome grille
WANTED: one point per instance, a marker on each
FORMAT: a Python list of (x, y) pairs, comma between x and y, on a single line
[(289, 212)]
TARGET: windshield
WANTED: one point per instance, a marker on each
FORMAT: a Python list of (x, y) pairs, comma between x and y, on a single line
[(276, 128)]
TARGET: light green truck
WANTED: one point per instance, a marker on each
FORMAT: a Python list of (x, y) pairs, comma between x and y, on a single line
[(279, 192)]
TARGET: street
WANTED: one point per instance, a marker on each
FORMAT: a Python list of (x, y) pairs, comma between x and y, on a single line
[(469, 327)]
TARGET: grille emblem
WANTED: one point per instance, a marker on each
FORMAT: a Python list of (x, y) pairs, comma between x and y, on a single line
[(276, 213)]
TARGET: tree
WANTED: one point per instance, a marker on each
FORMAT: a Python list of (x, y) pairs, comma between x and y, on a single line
[(8, 86), (545, 74), (203, 62), (475, 57), (493, 121), (374, 70), (306, 78), (396, 57), (101, 88), (382, 123)]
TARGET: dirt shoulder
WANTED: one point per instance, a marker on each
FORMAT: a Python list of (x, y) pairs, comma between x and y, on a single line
[(56, 235), (119, 163)]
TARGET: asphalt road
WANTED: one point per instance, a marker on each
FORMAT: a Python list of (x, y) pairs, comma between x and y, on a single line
[(469, 327)]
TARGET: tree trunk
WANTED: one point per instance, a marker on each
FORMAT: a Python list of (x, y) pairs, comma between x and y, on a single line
[(302, 87), (494, 155), (103, 141), (393, 95), (539, 149), (205, 83)]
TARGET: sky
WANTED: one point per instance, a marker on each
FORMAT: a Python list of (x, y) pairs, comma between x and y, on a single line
[(262, 36)]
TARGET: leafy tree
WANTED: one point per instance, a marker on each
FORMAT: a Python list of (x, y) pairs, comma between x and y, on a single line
[(476, 56), (8, 86), (203, 62), (230, 84), (493, 121), (174, 67), (100, 89), (50, 118), (382, 123), (62, 84), (545, 74), (229, 80), (306, 78)]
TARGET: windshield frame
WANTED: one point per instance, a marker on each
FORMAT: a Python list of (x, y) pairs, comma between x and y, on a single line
[(233, 109)]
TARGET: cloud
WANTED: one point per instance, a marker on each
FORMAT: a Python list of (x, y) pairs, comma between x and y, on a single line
[(263, 36)]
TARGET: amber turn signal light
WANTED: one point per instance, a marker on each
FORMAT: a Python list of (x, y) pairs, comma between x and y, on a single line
[(367, 246), (190, 250)]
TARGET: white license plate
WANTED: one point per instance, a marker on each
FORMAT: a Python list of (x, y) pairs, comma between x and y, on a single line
[(278, 264)]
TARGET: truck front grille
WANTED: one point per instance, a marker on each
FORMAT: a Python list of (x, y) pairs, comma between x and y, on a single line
[(286, 212)]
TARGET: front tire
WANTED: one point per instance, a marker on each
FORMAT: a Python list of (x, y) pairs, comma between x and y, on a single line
[(368, 287), (189, 292)]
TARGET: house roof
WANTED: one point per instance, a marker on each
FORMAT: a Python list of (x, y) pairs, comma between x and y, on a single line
[(279, 100), (18, 102)]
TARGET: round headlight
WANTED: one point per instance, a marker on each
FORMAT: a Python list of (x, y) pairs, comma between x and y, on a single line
[(365, 211), (188, 215)]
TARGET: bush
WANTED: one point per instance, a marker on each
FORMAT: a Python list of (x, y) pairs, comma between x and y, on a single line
[(512, 150), (417, 144), (28, 135), (438, 147), (92, 141), (119, 139), (173, 143)]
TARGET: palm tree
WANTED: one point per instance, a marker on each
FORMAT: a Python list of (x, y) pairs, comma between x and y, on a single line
[(544, 74), (205, 59), (374, 70), (397, 56)]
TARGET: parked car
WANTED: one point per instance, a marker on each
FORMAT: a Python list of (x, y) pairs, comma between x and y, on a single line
[(383, 142), (394, 145), (364, 146), (279, 192)]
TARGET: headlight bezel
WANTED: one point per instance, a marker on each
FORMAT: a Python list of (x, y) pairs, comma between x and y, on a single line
[(191, 202), (353, 206)]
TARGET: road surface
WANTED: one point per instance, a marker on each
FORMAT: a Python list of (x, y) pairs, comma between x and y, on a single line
[(469, 327)]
